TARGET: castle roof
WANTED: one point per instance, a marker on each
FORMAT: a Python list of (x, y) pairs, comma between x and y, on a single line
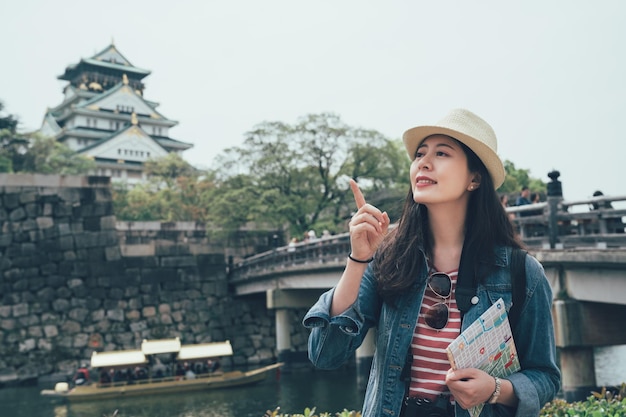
[(122, 97), (109, 59)]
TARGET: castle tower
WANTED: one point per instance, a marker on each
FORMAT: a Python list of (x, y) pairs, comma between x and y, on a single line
[(105, 117)]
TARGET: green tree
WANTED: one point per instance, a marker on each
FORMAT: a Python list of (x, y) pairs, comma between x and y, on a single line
[(296, 176), (9, 121), (11, 144), (168, 169), (518, 178), (32, 152), (45, 155), (176, 191)]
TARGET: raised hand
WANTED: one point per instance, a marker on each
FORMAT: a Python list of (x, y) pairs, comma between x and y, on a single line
[(368, 226)]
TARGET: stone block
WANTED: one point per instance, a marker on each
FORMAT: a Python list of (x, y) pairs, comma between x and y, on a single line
[(116, 294), (107, 223), (112, 253), (98, 315), (60, 305), (78, 314), (109, 238), (44, 345), (138, 326), (6, 239), (115, 315), (32, 210), (86, 240), (28, 225), (139, 250), (153, 276), (80, 340), (64, 229), (35, 331), (91, 223), (27, 345), (148, 311), (28, 197), (177, 261), (46, 294), (7, 324), (168, 248), (70, 327), (20, 310), (5, 311), (47, 210), (48, 269), (36, 283), (66, 243), (50, 331), (17, 214), (69, 195), (13, 274), (11, 200), (44, 222)]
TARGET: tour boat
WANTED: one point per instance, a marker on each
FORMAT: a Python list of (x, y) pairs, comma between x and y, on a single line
[(159, 367)]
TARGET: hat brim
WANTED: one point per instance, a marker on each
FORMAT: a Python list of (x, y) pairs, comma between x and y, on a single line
[(413, 137)]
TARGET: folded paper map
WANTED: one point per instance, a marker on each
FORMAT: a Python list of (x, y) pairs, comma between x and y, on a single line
[(487, 344)]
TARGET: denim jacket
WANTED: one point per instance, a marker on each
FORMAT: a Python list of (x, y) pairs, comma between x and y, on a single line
[(333, 340)]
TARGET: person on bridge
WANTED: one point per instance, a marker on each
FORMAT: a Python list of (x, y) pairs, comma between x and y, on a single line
[(403, 281)]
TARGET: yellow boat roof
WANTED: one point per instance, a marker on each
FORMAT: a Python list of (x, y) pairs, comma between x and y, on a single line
[(204, 350), (118, 358), (154, 347)]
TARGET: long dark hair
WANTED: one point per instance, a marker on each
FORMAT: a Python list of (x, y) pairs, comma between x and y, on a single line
[(398, 259)]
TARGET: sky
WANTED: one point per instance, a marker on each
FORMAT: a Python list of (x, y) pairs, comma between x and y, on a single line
[(549, 76)]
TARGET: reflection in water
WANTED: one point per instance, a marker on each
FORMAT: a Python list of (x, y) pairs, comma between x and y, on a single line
[(60, 411), (328, 391)]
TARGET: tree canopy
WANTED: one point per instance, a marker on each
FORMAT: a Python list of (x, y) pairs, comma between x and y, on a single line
[(175, 192), (295, 177), (32, 152)]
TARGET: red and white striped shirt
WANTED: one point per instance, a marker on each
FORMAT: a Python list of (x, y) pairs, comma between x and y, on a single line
[(428, 347)]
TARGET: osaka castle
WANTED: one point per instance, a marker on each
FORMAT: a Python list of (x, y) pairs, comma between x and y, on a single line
[(105, 117)]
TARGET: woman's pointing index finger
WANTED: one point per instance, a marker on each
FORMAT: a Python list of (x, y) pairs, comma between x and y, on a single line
[(358, 195)]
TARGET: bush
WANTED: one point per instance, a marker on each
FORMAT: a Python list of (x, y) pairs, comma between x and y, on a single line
[(609, 403)]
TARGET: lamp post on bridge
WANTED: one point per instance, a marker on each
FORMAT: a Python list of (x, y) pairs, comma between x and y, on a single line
[(555, 196)]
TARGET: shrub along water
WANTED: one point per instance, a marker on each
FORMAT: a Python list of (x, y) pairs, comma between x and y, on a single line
[(606, 403)]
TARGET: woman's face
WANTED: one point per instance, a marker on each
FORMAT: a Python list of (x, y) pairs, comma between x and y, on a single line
[(439, 172)]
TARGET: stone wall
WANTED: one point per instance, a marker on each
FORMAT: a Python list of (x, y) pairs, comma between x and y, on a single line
[(74, 280)]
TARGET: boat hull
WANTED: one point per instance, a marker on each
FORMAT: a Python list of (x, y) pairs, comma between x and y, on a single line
[(163, 386)]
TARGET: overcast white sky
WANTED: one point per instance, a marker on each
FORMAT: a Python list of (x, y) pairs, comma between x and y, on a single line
[(550, 76)]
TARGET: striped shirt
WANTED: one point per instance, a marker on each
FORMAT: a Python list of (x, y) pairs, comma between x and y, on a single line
[(428, 347)]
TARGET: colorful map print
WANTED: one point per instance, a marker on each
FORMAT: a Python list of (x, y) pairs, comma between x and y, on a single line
[(487, 344)]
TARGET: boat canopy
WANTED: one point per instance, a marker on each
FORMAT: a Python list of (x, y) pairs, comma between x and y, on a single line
[(204, 350), (118, 358), (155, 347)]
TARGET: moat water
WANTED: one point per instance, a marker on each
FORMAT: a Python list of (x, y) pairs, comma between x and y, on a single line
[(328, 391), (292, 392)]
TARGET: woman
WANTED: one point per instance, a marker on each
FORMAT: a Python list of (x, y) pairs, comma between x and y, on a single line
[(404, 283)]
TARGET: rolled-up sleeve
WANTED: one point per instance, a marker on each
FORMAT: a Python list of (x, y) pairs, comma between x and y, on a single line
[(333, 340)]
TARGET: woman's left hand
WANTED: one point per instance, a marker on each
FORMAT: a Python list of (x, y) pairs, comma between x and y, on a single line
[(470, 386)]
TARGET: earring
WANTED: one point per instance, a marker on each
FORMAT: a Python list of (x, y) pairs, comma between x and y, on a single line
[(471, 188)]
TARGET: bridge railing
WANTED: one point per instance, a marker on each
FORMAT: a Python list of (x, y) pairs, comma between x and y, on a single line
[(595, 222), (591, 223), (313, 254)]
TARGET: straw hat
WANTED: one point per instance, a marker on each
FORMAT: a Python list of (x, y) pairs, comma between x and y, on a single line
[(467, 128)]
